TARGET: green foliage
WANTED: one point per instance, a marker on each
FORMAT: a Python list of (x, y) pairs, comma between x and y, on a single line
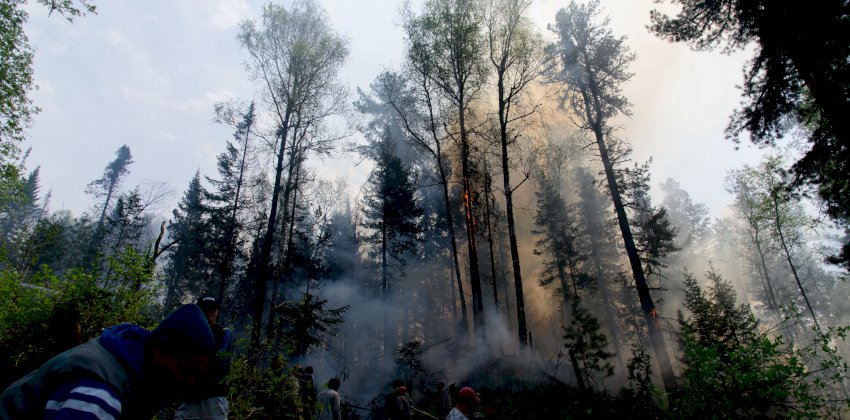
[(48, 315), (716, 317), (409, 362), (11, 185), (106, 188), (641, 398), (131, 269), (113, 173), (762, 198), (446, 45), (306, 323), (654, 234), (188, 268), (754, 380), (799, 75), (589, 60), (734, 370), (556, 233), (390, 204), (585, 338), (21, 210), (230, 199), (16, 79), (263, 393), (60, 241)]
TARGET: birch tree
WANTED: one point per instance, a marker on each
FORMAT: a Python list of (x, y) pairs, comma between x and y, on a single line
[(295, 56), (446, 42), (515, 57)]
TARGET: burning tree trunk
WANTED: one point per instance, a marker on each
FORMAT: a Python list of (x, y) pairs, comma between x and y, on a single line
[(591, 63)]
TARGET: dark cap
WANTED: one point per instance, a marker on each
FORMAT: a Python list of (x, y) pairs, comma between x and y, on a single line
[(209, 303), (184, 332)]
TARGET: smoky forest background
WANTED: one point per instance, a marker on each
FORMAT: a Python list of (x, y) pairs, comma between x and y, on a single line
[(506, 237)]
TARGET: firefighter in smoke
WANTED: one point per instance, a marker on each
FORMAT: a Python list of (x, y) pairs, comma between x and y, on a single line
[(443, 401), (466, 403), (399, 405)]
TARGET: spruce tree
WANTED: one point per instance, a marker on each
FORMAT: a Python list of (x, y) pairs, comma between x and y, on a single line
[(587, 345), (556, 232), (227, 202), (653, 233), (125, 225), (188, 269), (108, 184), (18, 220), (106, 188), (392, 216)]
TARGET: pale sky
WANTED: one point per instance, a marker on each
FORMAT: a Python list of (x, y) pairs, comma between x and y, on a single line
[(147, 74)]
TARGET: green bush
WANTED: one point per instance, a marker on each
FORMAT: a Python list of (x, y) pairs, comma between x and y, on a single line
[(262, 392), (734, 369), (47, 315)]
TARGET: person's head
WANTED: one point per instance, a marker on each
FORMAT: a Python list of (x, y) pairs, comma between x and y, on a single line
[(334, 384), (467, 400), (308, 370), (211, 307), (179, 349), (398, 387), (441, 385)]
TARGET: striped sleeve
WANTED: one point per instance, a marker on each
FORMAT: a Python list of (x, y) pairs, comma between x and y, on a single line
[(83, 399)]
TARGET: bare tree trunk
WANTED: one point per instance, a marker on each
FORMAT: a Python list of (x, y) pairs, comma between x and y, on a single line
[(290, 205), (385, 290), (449, 215), (787, 254), (509, 208), (227, 264), (504, 103), (577, 369), (453, 237), (471, 239), (648, 306), (262, 269), (438, 157), (488, 203), (771, 295)]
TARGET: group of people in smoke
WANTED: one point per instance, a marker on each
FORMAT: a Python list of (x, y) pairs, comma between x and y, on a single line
[(130, 372), (400, 407)]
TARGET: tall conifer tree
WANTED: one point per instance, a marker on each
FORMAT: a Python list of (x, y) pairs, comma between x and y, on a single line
[(392, 215), (188, 269), (592, 63)]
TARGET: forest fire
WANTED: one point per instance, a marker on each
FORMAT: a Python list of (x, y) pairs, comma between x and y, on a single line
[(503, 157)]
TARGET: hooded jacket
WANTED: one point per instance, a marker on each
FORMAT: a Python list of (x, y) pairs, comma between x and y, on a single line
[(107, 377), (106, 365)]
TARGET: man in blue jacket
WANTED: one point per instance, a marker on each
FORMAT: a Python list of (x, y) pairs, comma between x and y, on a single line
[(127, 372), (209, 399)]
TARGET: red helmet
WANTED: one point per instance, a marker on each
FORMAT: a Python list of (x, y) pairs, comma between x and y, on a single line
[(467, 395)]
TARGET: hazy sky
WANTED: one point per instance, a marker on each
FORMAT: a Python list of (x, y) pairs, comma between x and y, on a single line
[(147, 74)]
